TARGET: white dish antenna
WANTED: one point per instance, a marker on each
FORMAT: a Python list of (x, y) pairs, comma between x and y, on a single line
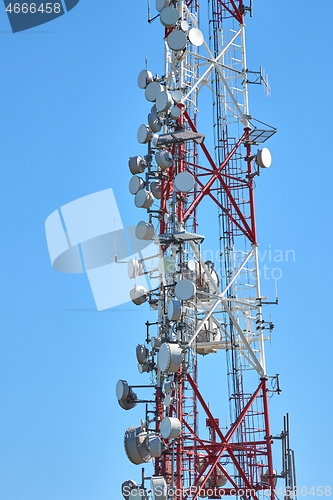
[(170, 428), (137, 164), (155, 446), (126, 397), (145, 78), (156, 342), (177, 40), (154, 120), (136, 446), (142, 353), (163, 102), (184, 182), (185, 290), (143, 199), (145, 231), (175, 112), (174, 310), (161, 4), (139, 295), (169, 358), (184, 26), (164, 159), (196, 37), (177, 95), (127, 487), (144, 134), (135, 184), (264, 158), (159, 488), (152, 91), (169, 16), (134, 268)]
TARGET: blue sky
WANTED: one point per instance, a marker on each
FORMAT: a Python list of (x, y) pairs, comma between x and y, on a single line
[(70, 109)]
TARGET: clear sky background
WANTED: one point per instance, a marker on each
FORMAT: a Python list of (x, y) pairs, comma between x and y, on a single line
[(69, 112)]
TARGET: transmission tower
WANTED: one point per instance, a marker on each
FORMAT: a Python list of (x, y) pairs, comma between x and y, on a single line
[(198, 173)]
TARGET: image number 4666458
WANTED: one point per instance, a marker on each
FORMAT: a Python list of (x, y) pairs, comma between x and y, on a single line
[(24, 15)]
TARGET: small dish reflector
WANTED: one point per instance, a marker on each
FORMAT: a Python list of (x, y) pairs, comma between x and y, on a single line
[(184, 26), (152, 91), (136, 446), (155, 446), (156, 189), (177, 95), (137, 164), (164, 101), (156, 342), (122, 389), (159, 488), (143, 199), (139, 295), (196, 37), (154, 121), (185, 290), (170, 428), (264, 158), (145, 231), (145, 77), (141, 353), (174, 310), (160, 4), (164, 159), (127, 486), (145, 368), (177, 40), (134, 268), (184, 182), (169, 16), (144, 134), (175, 112), (168, 400), (169, 358), (135, 184)]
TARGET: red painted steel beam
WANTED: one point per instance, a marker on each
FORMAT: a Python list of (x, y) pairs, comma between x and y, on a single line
[(220, 434), (234, 11), (268, 438), (217, 174)]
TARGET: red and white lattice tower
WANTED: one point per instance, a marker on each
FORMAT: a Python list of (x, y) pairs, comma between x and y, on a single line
[(203, 307)]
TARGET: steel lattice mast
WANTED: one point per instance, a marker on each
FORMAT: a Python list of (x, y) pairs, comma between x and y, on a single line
[(201, 309)]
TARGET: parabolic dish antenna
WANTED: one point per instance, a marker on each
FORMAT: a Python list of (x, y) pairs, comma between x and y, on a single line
[(177, 40), (144, 134), (143, 199), (185, 290), (184, 182), (154, 121), (169, 16), (144, 231), (160, 4), (264, 158), (135, 184), (152, 91), (177, 95), (164, 159), (164, 101), (145, 77), (196, 37)]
